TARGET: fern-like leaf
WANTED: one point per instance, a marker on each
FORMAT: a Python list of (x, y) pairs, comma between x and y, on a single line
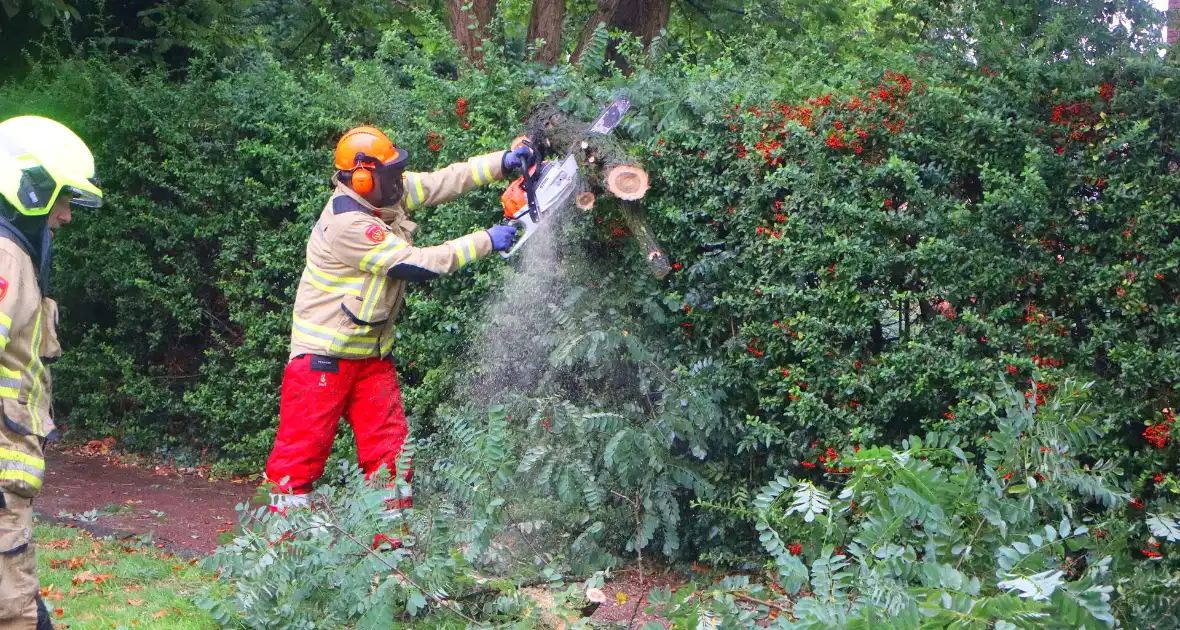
[(809, 501)]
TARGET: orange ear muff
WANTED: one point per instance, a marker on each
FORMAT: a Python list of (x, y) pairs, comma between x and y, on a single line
[(362, 181)]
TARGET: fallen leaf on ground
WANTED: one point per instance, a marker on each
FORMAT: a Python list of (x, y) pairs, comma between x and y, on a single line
[(46, 590), (160, 614), (89, 576), (59, 612), (76, 562), (64, 543), (135, 602), (621, 597)]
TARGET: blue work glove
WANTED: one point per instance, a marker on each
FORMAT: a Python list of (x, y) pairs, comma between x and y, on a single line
[(517, 159), (502, 237)]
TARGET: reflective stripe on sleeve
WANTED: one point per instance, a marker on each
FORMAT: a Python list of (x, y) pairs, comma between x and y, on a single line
[(379, 256), (481, 171), (415, 196), (464, 250)]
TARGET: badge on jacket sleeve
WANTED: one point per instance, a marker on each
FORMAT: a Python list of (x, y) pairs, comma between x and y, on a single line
[(3, 288), (375, 233)]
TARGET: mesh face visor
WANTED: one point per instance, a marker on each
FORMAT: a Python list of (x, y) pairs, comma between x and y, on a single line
[(390, 175), (84, 198)]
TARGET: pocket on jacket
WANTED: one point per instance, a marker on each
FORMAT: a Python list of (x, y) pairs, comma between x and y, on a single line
[(50, 346)]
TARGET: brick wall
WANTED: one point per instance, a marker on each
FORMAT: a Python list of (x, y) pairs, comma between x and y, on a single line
[(1173, 21)]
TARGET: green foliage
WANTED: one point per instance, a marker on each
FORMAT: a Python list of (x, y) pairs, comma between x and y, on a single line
[(876, 211)]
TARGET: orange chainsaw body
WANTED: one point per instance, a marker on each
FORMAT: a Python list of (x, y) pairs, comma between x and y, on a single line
[(513, 199)]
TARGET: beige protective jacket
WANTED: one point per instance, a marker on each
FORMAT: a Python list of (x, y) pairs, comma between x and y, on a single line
[(359, 259), (28, 339)]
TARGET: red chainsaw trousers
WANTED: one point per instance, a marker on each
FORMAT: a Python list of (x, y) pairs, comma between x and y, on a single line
[(317, 391)]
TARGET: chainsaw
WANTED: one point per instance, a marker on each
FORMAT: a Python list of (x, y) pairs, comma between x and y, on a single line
[(547, 185)]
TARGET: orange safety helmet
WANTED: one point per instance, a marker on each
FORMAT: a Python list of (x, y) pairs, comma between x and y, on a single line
[(365, 152)]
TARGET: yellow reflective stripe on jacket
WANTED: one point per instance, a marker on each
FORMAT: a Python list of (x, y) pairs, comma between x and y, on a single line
[(374, 261), (387, 345), (464, 250), (21, 475), (10, 381), (480, 171), (35, 368), (415, 194), (331, 283), (337, 341), (372, 298), (5, 325), (17, 466), (31, 461)]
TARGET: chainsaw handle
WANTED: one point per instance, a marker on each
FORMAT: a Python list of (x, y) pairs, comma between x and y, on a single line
[(532, 176)]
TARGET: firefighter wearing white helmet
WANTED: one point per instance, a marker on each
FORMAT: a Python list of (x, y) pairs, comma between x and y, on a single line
[(44, 168)]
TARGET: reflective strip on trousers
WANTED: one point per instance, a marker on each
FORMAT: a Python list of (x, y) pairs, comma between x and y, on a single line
[(337, 341), (5, 326), (330, 283), (17, 466)]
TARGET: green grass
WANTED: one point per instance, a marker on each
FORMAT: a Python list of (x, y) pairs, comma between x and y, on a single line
[(94, 583)]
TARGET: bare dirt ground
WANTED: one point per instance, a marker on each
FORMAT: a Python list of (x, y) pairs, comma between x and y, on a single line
[(185, 513)]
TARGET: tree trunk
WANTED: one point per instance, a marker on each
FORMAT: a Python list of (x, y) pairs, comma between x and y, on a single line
[(636, 219), (546, 23), (470, 28), (627, 182), (645, 18)]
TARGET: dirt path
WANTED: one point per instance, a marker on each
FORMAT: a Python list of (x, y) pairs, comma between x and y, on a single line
[(184, 513)]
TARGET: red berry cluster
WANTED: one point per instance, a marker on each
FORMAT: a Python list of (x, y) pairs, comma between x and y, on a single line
[(1152, 551), (434, 140), (752, 348), (461, 112), (854, 122), (1158, 435)]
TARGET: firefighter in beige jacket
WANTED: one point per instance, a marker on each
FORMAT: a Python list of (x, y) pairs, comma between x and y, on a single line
[(44, 168), (359, 258)]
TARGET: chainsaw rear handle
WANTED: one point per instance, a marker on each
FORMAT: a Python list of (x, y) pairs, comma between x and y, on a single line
[(527, 183)]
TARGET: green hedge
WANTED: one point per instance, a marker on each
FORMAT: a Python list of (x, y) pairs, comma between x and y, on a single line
[(866, 237)]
